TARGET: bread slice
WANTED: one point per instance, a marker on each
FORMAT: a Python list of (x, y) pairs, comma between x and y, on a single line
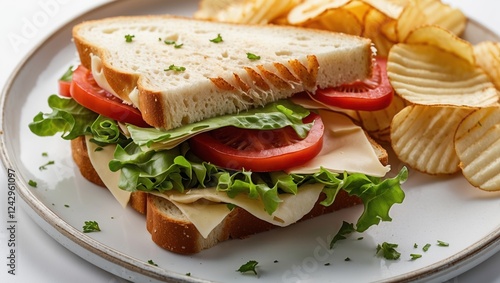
[(171, 70), (171, 230)]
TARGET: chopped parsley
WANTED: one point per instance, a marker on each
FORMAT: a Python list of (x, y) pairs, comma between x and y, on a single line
[(44, 166), (415, 245), (129, 37), (218, 39), (175, 68), (32, 183), (44, 154), (347, 259), (249, 267), (91, 226), (252, 56), (443, 244), (415, 256), (152, 262), (388, 251), (188, 274), (66, 205), (426, 247), (171, 42)]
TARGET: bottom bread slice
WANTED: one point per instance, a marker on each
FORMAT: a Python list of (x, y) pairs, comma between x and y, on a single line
[(172, 230)]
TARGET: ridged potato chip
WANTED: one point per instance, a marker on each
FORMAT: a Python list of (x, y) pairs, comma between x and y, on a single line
[(443, 39), (244, 11), (477, 143), (411, 18), (378, 123), (488, 57), (337, 20), (423, 137), (428, 75), (444, 15), (374, 22), (310, 9), (391, 8)]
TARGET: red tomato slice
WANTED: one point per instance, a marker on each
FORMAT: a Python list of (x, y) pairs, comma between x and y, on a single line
[(64, 88), (371, 94), (259, 150), (87, 93)]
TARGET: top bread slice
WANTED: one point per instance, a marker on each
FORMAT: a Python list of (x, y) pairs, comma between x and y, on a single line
[(176, 71)]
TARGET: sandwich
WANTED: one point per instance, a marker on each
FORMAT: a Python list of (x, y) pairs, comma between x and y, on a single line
[(217, 131)]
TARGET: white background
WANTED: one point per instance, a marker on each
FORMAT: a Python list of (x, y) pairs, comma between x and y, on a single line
[(39, 258)]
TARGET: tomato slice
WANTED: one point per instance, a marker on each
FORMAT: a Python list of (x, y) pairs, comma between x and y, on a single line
[(259, 150), (64, 87), (372, 94), (89, 94)]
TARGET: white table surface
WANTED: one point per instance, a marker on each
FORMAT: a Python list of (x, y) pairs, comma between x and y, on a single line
[(39, 257)]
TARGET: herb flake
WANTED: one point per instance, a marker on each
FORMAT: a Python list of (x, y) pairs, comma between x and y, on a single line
[(152, 262), (426, 247), (129, 37), (415, 256), (175, 68), (32, 183), (443, 244), (44, 166), (91, 226), (388, 251), (252, 56), (250, 266), (218, 39)]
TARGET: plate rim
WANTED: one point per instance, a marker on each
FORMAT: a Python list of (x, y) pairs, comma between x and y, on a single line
[(55, 225)]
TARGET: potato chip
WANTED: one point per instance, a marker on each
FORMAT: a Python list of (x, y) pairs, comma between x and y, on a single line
[(244, 11), (422, 137), (443, 15), (427, 75), (373, 22), (391, 8), (337, 20), (488, 57), (411, 18), (377, 123), (310, 9), (477, 143), (444, 39), (357, 8)]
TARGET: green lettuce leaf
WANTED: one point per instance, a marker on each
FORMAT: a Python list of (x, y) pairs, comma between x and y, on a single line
[(106, 131), (272, 116), (67, 117)]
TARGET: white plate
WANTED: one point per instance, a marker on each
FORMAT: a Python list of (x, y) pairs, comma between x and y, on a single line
[(435, 208)]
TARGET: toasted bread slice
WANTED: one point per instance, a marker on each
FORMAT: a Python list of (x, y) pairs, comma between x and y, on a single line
[(171, 230), (176, 71)]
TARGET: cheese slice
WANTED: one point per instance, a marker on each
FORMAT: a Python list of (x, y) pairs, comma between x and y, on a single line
[(345, 148), (100, 160)]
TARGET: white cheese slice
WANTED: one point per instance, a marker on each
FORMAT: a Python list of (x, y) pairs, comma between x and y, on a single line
[(345, 148), (100, 160)]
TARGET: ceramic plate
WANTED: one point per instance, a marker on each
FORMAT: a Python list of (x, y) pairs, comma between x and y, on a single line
[(436, 208)]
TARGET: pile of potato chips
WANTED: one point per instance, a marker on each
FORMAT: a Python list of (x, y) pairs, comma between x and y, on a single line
[(446, 114)]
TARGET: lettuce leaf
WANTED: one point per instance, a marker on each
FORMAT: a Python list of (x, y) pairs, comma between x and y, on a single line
[(67, 117), (178, 169), (275, 115)]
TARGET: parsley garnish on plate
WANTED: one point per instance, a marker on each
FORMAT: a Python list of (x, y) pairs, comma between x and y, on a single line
[(32, 183), (249, 266), (44, 166), (415, 256), (91, 226), (443, 244), (388, 251), (152, 262), (426, 247)]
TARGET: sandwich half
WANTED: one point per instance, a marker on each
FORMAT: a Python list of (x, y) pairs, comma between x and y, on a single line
[(197, 125)]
